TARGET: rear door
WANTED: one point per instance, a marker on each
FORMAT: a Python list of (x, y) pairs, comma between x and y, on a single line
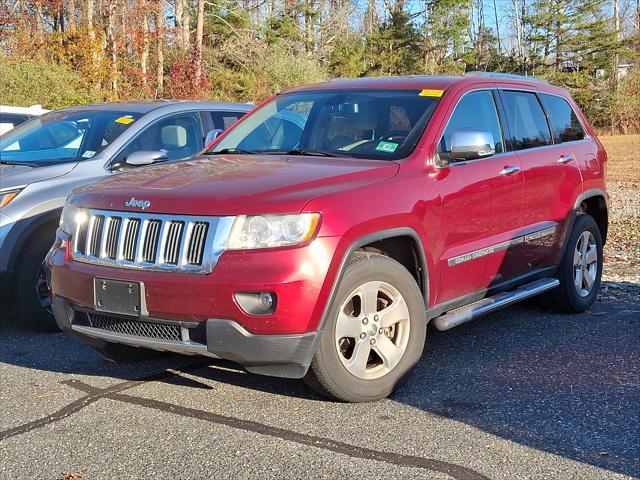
[(552, 177), (481, 204)]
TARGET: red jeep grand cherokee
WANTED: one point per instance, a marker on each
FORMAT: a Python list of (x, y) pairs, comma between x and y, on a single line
[(320, 235)]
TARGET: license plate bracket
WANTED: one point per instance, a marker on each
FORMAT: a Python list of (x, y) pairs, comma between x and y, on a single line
[(118, 296)]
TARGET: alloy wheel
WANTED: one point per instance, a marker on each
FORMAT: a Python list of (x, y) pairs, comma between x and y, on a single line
[(42, 290), (585, 263), (372, 330)]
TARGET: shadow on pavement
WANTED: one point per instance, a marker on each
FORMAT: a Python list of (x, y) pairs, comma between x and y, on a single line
[(564, 384)]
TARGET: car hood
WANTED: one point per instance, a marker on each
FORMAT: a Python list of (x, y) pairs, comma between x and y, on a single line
[(233, 184), (22, 175)]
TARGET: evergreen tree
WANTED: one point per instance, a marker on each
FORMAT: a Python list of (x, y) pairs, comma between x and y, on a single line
[(395, 48)]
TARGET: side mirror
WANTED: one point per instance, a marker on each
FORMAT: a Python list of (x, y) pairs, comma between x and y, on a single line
[(144, 157), (211, 136), (471, 144)]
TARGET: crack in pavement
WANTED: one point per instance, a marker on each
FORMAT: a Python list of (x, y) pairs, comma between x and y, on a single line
[(92, 397), (114, 392), (457, 472)]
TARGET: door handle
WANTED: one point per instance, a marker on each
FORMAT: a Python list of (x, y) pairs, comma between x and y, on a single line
[(566, 159), (509, 170)]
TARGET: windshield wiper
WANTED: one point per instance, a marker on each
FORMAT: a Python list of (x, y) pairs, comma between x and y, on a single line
[(310, 153), (26, 164), (230, 151)]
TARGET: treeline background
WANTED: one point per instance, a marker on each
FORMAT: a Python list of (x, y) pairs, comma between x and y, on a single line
[(65, 52)]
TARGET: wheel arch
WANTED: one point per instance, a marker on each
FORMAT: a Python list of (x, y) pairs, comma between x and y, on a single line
[(26, 233), (594, 202), (389, 238)]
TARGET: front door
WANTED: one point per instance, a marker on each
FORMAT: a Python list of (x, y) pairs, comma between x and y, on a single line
[(481, 204)]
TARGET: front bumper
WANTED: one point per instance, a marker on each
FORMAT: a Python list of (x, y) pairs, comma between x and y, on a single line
[(297, 276), (275, 355)]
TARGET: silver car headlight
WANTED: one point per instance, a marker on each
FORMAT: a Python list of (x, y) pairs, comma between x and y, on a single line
[(268, 231), (72, 217)]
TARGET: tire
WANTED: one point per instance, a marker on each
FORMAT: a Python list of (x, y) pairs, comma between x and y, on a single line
[(30, 293), (335, 372), (569, 297)]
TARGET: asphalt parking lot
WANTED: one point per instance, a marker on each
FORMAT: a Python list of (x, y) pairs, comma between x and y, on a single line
[(525, 393)]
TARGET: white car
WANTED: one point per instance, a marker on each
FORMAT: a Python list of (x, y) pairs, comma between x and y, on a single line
[(11, 117)]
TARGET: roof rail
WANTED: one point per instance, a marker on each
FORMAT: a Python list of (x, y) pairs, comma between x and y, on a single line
[(513, 76)]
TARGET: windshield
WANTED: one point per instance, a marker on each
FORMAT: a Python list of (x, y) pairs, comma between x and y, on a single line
[(63, 136), (381, 124)]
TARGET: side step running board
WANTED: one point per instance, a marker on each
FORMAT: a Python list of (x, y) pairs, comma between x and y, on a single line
[(464, 314)]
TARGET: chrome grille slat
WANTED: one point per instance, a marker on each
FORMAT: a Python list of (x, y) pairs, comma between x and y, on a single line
[(151, 241), (196, 240), (111, 238), (172, 242), (95, 236)]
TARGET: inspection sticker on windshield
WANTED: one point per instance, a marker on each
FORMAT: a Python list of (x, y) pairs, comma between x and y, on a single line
[(88, 154), (388, 147), (125, 120), (431, 93)]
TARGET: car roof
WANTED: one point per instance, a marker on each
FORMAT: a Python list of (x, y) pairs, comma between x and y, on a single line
[(32, 110), (147, 106), (419, 82)]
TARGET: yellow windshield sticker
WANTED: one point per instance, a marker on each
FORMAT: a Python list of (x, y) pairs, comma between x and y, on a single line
[(431, 93), (126, 120)]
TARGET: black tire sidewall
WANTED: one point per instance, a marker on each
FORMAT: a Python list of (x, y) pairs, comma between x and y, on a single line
[(345, 385), (571, 300), (27, 303)]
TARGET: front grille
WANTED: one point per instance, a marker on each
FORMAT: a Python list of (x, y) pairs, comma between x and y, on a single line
[(151, 241), (136, 328)]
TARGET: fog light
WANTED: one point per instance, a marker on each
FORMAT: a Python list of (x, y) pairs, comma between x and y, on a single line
[(257, 303)]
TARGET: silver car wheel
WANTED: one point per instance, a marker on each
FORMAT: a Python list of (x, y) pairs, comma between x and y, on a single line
[(585, 263), (372, 330), (42, 290)]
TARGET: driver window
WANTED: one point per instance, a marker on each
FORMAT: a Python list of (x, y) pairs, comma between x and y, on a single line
[(178, 136), (475, 111)]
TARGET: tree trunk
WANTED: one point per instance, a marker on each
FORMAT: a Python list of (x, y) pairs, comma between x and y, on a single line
[(308, 26), (198, 47), (112, 45), (182, 24), (519, 29), (71, 15), (495, 12), (90, 6), (616, 60), (144, 56), (39, 22), (160, 45)]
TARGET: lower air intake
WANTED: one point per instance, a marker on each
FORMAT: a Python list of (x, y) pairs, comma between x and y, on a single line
[(137, 328)]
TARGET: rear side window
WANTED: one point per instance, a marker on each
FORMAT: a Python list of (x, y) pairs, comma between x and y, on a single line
[(527, 122), (475, 111), (224, 120), (564, 121)]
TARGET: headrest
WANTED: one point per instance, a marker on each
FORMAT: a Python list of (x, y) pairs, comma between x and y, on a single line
[(174, 136), (365, 116)]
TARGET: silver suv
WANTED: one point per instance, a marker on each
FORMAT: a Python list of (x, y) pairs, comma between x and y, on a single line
[(42, 160)]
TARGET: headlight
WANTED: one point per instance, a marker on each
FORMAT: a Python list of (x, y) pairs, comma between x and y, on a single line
[(266, 231), (71, 218), (6, 197)]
